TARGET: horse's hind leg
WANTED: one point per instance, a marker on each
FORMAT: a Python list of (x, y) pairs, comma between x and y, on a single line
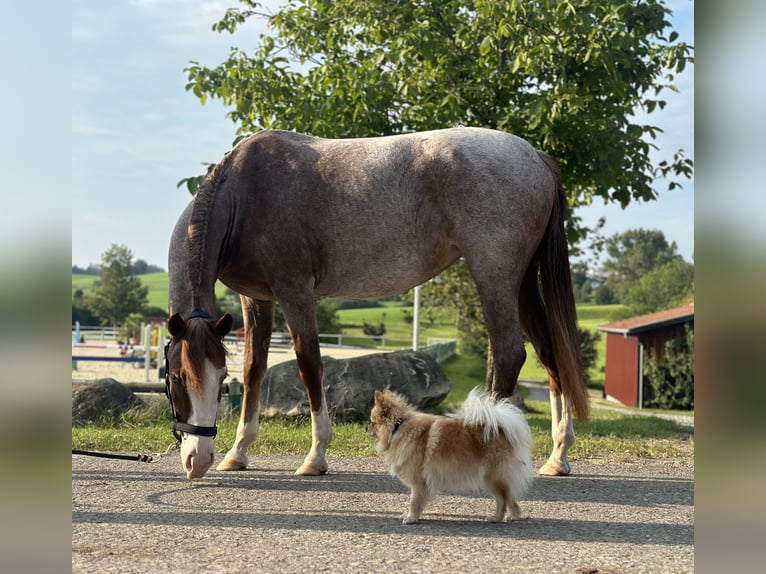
[(259, 319), (499, 301), (562, 433), (535, 325), (301, 318)]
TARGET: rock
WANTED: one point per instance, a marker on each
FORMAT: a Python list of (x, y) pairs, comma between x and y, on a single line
[(104, 398), (350, 384)]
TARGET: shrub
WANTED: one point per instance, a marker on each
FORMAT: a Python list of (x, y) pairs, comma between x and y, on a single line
[(588, 340), (374, 330), (669, 379)]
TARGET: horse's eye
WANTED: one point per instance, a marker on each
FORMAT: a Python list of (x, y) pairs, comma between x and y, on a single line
[(176, 380)]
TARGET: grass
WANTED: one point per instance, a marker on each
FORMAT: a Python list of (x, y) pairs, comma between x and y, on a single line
[(608, 436), (438, 325)]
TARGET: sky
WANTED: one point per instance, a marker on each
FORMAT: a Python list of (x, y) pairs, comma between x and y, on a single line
[(136, 131)]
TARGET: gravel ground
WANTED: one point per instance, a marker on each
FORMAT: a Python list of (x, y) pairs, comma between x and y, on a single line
[(134, 517)]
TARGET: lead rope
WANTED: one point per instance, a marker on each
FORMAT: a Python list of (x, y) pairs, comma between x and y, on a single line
[(135, 457)]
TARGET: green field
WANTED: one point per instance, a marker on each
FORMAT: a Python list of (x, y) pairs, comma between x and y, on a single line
[(439, 325), (156, 282)]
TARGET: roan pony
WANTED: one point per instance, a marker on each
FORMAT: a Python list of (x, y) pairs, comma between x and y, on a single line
[(288, 217)]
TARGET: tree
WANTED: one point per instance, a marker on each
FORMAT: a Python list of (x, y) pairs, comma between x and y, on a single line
[(632, 255), (118, 293), (80, 310), (568, 76), (327, 317), (666, 286), (455, 289), (140, 267), (581, 283)]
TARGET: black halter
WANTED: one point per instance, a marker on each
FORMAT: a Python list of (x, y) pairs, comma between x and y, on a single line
[(179, 427)]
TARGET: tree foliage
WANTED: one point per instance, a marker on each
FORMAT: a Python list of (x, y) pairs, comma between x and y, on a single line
[(669, 285), (569, 76), (119, 292), (633, 254)]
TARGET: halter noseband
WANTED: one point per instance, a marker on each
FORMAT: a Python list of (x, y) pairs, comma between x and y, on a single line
[(179, 427)]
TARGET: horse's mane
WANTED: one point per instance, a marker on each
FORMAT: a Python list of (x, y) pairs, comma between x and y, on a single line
[(198, 224), (199, 343)]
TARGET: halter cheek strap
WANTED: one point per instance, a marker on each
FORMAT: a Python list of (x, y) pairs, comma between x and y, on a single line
[(177, 426)]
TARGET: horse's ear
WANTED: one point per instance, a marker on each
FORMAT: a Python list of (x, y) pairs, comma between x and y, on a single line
[(224, 325), (176, 325)]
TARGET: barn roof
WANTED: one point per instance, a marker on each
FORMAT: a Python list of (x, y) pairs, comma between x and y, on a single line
[(651, 321)]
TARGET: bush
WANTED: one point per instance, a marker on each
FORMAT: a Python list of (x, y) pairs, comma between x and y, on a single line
[(588, 340), (669, 379), (357, 304), (374, 330)]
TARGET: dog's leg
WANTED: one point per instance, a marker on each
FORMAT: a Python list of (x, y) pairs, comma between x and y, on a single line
[(515, 510), (502, 495), (419, 496)]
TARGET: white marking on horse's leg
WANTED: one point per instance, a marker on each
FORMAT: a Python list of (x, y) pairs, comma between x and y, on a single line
[(563, 436), (247, 434), (321, 435)]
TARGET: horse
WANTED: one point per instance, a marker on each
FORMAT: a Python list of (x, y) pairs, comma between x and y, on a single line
[(287, 217)]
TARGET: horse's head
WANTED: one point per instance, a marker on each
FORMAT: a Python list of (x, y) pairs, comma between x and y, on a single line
[(195, 367)]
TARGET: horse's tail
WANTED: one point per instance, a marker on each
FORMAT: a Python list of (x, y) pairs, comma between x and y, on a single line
[(551, 323)]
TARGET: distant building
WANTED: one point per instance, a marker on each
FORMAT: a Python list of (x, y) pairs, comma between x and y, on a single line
[(630, 340)]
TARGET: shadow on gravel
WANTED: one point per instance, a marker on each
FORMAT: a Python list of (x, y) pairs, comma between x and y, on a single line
[(370, 502), (577, 487)]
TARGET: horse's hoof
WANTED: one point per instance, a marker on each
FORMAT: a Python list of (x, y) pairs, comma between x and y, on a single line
[(553, 469), (232, 464), (311, 469)]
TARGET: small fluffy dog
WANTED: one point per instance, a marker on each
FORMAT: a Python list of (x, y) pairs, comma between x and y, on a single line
[(486, 445)]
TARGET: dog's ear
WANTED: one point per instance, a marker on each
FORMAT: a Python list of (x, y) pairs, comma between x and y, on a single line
[(378, 397)]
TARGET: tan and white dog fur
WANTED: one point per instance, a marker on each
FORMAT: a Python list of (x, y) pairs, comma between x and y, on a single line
[(484, 446)]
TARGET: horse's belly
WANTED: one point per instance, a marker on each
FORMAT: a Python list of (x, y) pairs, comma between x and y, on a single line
[(382, 273)]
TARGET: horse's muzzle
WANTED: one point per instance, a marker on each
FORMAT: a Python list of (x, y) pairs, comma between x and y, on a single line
[(197, 455)]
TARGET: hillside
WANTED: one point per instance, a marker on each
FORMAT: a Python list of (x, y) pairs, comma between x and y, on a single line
[(156, 282)]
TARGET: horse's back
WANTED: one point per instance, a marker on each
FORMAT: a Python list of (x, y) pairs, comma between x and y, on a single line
[(451, 171), (374, 216)]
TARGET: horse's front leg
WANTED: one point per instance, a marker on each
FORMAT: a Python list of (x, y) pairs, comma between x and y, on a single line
[(302, 322), (259, 318), (562, 433)]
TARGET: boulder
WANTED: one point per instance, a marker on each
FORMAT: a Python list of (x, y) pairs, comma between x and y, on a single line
[(350, 384), (104, 398)]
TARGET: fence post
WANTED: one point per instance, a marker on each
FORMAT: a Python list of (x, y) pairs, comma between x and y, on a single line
[(416, 319), (147, 336)]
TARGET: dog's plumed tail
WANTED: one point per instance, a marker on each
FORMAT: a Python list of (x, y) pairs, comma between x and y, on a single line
[(495, 416)]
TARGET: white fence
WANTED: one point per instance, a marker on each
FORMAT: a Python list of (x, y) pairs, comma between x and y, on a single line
[(110, 334)]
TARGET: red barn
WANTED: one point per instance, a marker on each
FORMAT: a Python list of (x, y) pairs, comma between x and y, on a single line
[(627, 343)]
